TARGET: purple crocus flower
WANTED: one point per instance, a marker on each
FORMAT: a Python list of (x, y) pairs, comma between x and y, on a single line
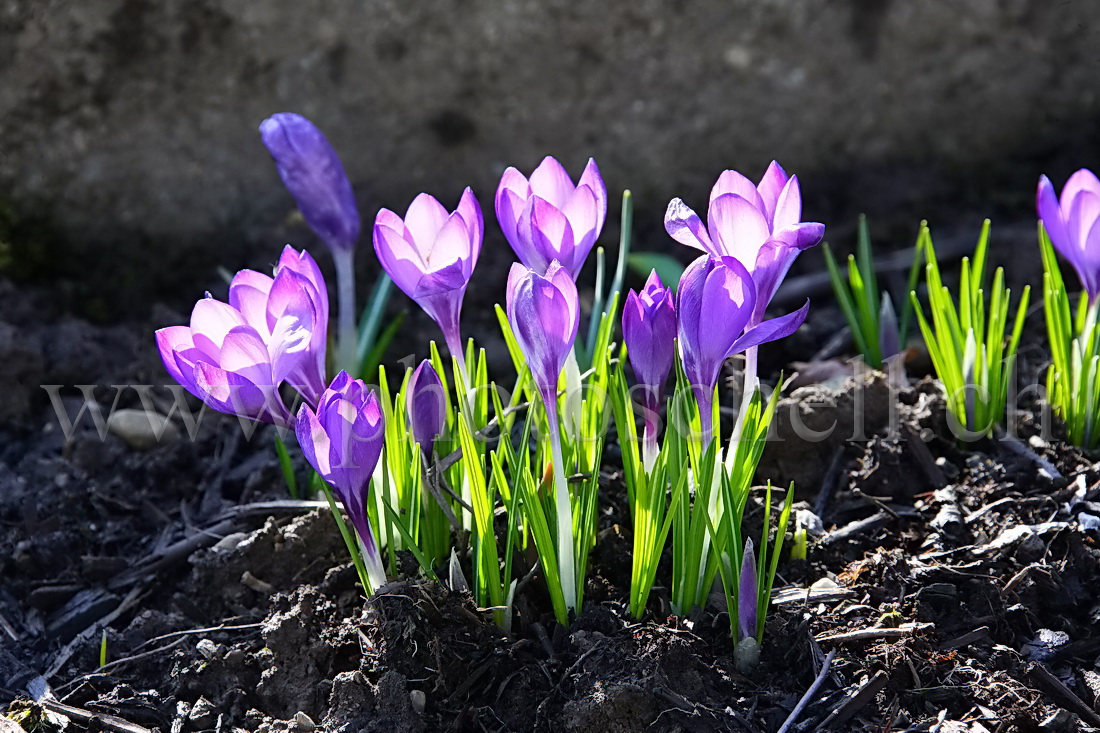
[(649, 331), (714, 303), (1073, 224), (431, 254), (233, 356), (544, 311), (548, 218), (758, 224), (426, 406), (343, 440), (746, 594), (312, 173)]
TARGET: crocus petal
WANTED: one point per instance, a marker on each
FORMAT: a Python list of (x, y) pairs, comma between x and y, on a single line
[(888, 337), (594, 181), (685, 226), (775, 178), (729, 296), (771, 330), (313, 440), (1046, 201), (245, 353), (772, 263), (451, 245), (229, 392), (551, 182), (248, 294), (1081, 181), (211, 320), (424, 219), (545, 227), (399, 258), (425, 404), (511, 198), (169, 341), (737, 227), (801, 236), (470, 210), (734, 182), (581, 212), (1083, 213), (788, 207)]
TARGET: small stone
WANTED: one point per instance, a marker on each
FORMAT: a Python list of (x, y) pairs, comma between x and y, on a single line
[(235, 657), (230, 542), (207, 648), (202, 714), (747, 655), (251, 581), (419, 701), (304, 722), (142, 430)]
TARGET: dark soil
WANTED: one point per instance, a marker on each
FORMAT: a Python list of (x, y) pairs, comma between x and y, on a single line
[(954, 586)]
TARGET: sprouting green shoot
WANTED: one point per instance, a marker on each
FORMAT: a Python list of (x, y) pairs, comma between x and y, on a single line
[(968, 341), (103, 649), (877, 330)]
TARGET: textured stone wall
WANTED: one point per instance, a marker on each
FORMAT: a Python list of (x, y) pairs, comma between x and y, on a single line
[(128, 127)]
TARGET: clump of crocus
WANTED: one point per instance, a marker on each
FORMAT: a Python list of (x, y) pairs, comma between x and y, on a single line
[(761, 226), (548, 217), (544, 311), (313, 174), (431, 254), (714, 303), (343, 440), (425, 406), (234, 356), (649, 331), (1073, 224)]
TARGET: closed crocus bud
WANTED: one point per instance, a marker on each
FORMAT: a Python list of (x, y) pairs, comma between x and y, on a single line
[(746, 594), (714, 302), (649, 331), (1073, 224), (312, 173), (431, 254), (426, 406), (548, 217), (343, 440), (233, 356), (758, 224), (544, 311)]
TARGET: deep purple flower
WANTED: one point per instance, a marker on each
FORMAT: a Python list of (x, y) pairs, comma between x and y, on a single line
[(343, 440), (549, 218), (233, 356), (746, 594), (714, 302), (431, 254), (1073, 224), (649, 331), (759, 225), (313, 174), (544, 311), (426, 406)]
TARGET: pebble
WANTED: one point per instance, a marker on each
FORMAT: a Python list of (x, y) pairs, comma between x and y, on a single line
[(207, 648), (202, 714), (136, 428), (304, 722), (419, 701), (235, 657)]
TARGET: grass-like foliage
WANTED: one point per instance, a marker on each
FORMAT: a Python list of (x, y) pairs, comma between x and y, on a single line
[(878, 331), (968, 340), (1073, 379)]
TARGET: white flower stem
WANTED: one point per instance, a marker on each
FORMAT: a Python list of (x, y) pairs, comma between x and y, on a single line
[(347, 336), (563, 507)]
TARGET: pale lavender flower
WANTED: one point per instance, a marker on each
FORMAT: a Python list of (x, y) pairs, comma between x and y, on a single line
[(548, 217)]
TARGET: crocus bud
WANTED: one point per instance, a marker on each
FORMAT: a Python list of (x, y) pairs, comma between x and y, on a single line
[(426, 406), (714, 302), (549, 218), (649, 331), (233, 356), (746, 594), (313, 174), (1073, 224), (758, 224), (430, 255), (544, 311), (343, 440)]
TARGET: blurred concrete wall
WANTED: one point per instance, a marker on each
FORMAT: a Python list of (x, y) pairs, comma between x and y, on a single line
[(129, 155)]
